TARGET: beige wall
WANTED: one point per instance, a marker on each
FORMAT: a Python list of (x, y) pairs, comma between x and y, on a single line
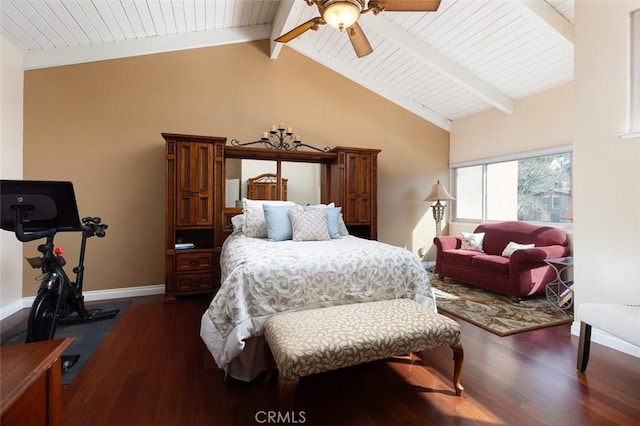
[(543, 120), (11, 84), (606, 172), (98, 125)]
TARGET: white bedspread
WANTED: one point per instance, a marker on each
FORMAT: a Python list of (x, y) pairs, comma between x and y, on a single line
[(261, 278)]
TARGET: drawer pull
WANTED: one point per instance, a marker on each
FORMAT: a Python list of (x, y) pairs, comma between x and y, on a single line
[(195, 262)]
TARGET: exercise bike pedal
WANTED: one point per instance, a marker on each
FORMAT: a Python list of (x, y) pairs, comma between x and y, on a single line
[(99, 313), (68, 361), (90, 315)]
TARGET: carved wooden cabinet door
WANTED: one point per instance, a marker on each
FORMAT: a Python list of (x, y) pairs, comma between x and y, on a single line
[(194, 184), (358, 185)]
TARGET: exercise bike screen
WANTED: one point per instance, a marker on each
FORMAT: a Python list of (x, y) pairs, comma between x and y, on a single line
[(44, 205)]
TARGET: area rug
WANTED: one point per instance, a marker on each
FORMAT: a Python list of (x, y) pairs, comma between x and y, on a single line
[(493, 312), (88, 336)]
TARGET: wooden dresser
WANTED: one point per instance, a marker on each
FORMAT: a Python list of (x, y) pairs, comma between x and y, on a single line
[(30, 383)]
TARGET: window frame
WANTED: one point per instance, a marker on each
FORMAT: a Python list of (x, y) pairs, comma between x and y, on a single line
[(485, 162), (633, 107)]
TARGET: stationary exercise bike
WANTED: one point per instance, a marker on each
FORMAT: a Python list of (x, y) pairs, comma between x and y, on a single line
[(39, 209)]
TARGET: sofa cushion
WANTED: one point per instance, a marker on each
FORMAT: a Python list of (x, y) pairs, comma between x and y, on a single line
[(499, 234), (459, 257), (492, 262)]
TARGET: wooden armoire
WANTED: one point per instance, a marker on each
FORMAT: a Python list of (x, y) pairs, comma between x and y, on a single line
[(353, 184), (197, 221), (194, 202)]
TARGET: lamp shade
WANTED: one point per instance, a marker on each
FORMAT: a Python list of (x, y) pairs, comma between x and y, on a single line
[(439, 193), (342, 14)]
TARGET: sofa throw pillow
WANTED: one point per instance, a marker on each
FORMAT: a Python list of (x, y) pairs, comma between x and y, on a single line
[(511, 247), (254, 224), (309, 225), (471, 241), (333, 219), (278, 222)]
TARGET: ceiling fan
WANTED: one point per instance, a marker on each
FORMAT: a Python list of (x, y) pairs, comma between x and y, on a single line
[(343, 14)]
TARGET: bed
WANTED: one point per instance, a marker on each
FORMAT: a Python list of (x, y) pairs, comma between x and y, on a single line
[(261, 277)]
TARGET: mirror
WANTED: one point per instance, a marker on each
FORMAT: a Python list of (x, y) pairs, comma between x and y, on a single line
[(304, 180)]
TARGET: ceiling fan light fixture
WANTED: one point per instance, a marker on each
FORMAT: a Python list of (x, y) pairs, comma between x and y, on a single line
[(342, 14)]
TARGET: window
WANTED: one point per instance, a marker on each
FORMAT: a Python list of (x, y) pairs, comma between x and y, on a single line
[(533, 187)]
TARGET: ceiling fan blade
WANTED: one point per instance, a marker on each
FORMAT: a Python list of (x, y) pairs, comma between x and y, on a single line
[(359, 41), (300, 29), (407, 5)]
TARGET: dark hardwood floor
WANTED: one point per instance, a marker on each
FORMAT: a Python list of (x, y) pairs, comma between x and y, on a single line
[(153, 369)]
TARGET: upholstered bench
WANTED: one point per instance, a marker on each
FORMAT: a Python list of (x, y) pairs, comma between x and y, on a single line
[(319, 340)]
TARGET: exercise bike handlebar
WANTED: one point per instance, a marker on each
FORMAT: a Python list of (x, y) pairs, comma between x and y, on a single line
[(91, 226)]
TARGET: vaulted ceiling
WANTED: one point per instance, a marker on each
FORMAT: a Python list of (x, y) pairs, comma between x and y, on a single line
[(468, 56)]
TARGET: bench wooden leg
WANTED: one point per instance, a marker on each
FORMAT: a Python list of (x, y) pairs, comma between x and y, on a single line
[(286, 389), (268, 360), (458, 358), (584, 346)]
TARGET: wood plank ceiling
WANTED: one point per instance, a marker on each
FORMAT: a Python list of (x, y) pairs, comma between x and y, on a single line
[(469, 56)]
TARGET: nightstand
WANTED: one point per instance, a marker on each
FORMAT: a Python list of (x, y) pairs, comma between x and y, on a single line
[(31, 389)]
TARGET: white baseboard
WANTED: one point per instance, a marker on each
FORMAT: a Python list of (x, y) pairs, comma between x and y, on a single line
[(11, 308), (605, 339), (89, 296)]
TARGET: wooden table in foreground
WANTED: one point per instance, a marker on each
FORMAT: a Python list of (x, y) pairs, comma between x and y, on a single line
[(31, 383)]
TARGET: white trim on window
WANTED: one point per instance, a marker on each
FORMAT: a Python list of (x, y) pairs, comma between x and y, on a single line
[(561, 149), (633, 126)]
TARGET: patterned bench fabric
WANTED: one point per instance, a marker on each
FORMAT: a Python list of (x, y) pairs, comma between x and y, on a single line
[(319, 340)]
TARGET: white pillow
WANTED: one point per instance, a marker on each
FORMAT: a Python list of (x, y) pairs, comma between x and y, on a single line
[(342, 228), (511, 247), (333, 219), (331, 204), (310, 225), (237, 221), (255, 225), (471, 241)]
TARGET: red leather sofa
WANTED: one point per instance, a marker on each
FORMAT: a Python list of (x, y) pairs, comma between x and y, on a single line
[(522, 274)]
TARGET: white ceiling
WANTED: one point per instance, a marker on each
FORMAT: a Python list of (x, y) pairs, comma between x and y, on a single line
[(468, 56)]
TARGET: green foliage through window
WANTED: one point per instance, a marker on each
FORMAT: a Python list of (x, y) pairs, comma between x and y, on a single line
[(541, 180)]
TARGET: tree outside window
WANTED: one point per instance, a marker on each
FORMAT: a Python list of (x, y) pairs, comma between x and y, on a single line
[(535, 189)]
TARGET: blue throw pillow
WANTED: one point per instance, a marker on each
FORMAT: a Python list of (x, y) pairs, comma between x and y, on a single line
[(333, 217), (278, 222)]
